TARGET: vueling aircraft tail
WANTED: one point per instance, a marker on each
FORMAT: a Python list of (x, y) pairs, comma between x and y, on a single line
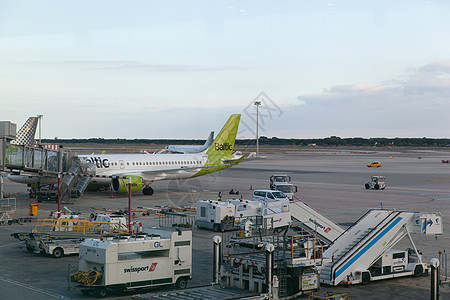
[(25, 136)]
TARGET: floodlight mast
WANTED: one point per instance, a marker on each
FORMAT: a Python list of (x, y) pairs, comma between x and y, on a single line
[(40, 128), (257, 104)]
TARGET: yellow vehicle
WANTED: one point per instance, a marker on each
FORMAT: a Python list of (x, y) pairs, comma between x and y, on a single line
[(374, 164)]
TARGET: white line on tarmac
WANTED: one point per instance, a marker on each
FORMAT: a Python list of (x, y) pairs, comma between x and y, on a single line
[(7, 245), (32, 288)]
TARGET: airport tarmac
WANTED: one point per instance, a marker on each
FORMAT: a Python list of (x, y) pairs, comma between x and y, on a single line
[(331, 182)]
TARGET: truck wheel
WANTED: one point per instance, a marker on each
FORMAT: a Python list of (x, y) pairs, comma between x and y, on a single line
[(377, 186), (181, 283), (365, 279), (101, 292), (418, 271), (58, 252), (367, 186)]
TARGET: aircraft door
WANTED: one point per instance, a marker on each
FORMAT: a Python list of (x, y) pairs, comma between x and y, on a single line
[(121, 164)]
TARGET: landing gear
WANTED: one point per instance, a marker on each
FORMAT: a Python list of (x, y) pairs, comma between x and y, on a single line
[(147, 191)]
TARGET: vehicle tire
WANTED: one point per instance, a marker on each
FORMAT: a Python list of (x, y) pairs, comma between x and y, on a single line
[(9, 222), (58, 252), (377, 186), (181, 283), (101, 292), (418, 271), (367, 186), (365, 278), (216, 228)]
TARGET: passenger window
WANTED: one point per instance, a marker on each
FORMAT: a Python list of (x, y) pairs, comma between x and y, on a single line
[(270, 196)]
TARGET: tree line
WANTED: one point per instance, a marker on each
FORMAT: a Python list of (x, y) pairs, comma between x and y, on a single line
[(333, 141)]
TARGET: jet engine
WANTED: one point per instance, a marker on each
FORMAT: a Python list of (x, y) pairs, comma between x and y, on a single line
[(121, 185)]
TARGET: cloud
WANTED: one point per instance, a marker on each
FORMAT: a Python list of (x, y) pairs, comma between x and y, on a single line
[(414, 106)]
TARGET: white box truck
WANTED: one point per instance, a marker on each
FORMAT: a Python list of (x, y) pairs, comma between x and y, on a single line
[(281, 182), (159, 257)]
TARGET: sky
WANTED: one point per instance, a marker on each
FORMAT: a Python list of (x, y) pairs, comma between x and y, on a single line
[(178, 69)]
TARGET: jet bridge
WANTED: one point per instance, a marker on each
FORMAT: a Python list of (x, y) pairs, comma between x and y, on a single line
[(369, 239), (44, 164), (314, 222)]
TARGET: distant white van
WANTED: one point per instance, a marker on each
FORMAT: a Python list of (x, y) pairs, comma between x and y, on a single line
[(268, 195)]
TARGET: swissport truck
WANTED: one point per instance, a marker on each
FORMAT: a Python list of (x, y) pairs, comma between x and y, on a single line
[(160, 257)]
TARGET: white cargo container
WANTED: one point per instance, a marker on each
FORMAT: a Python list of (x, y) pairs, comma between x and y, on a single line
[(161, 257), (226, 215)]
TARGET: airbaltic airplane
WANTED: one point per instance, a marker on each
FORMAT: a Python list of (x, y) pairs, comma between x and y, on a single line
[(143, 169), (184, 149)]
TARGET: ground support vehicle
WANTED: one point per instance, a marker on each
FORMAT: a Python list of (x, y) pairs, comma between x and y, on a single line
[(278, 178), (159, 257), (61, 247), (376, 182), (268, 195), (45, 243), (281, 182), (375, 164), (215, 215), (227, 215), (58, 248), (287, 188), (364, 252), (63, 235)]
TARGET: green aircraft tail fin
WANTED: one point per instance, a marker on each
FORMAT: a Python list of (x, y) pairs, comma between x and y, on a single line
[(223, 144)]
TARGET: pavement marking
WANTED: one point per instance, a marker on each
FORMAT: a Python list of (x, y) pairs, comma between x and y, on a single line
[(32, 288), (7, 245)]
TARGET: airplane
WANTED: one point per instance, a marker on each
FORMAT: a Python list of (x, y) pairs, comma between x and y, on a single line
[(143, 169), (25, 136), (184, 149)]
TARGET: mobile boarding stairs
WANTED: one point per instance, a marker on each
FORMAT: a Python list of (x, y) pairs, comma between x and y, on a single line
[(313, 222), (352, 255)]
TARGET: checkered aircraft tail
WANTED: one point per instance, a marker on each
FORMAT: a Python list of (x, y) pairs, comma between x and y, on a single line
[(25, 136)]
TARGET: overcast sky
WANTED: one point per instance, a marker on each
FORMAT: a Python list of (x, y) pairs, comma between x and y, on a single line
[(178, 69)]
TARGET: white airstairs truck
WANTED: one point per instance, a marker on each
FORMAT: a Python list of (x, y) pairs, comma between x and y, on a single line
[(313, 222), (364, 253)]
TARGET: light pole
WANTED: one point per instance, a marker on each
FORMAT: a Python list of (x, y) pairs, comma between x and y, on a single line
[(40, 127), (257, 103)]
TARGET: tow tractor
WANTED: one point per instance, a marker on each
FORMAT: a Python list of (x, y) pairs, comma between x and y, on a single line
[(376, 182)]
